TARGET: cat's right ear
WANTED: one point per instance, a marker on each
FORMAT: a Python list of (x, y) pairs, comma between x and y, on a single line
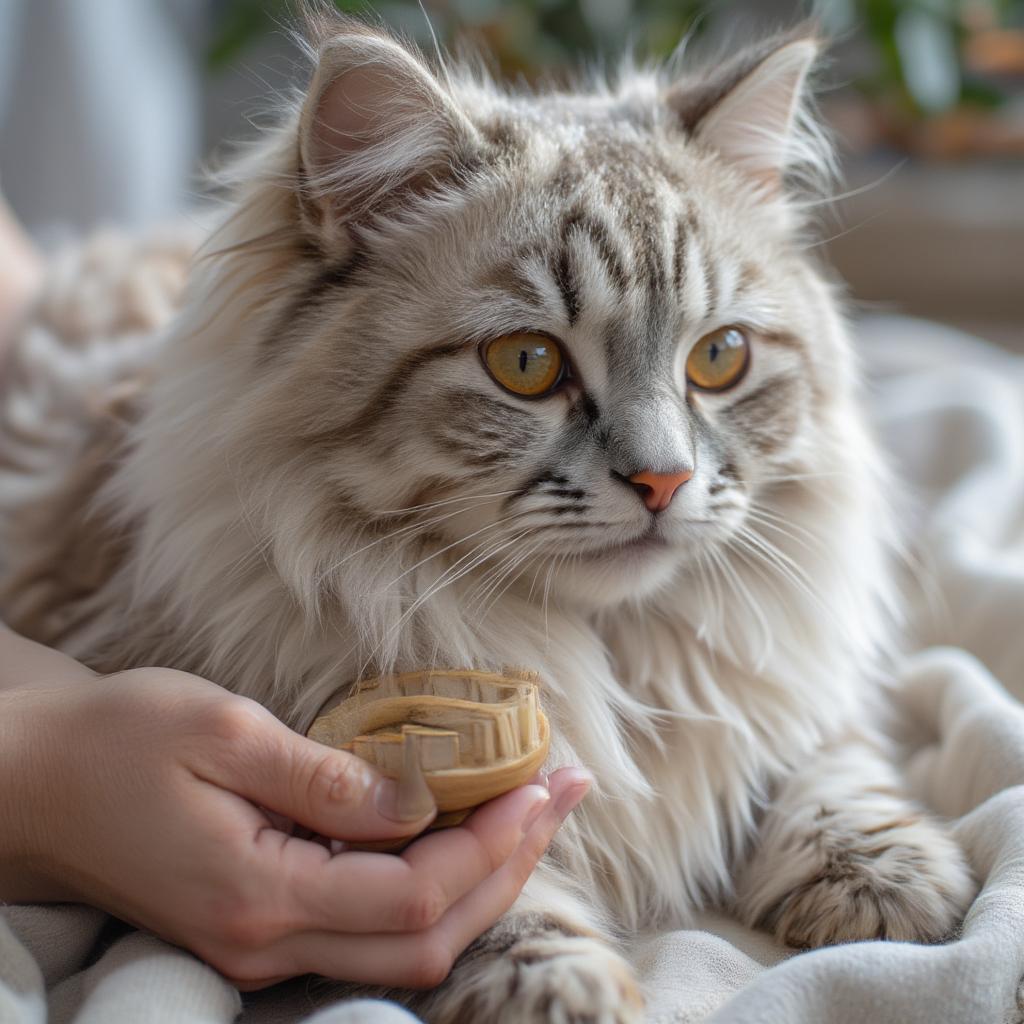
[(751, 109), (377, 124)]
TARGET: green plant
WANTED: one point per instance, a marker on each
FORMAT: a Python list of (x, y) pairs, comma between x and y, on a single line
[(920, 48), (525, 37)]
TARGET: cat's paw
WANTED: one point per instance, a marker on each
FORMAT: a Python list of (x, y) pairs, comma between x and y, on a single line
[(542, 980), (903, 879)]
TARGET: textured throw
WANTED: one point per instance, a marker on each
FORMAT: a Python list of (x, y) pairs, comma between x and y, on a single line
[(952, 412)]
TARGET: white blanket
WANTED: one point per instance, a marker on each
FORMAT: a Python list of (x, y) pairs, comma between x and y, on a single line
[(952, 412)]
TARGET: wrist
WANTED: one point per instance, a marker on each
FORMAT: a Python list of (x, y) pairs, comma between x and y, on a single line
[(31, 743), (26, 665)]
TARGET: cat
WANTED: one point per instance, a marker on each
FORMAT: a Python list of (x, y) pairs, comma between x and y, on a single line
[(475, 377)]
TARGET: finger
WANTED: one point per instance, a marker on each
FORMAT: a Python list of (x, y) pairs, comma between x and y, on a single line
[(375, 892), (478, 910), (423, 959), (329, 791), (255, 984)]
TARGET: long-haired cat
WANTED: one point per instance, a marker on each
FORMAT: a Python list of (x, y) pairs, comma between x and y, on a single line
[(473, 377)]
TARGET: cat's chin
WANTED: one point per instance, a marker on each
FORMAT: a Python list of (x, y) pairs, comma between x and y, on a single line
[(609, 577)]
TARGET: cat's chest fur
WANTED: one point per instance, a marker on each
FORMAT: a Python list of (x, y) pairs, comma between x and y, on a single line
[(684, 743)]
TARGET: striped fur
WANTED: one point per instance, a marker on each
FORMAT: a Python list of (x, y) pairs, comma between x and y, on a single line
[(323, 482)]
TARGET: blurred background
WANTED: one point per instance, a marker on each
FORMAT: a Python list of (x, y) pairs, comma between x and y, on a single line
[(109, 110)]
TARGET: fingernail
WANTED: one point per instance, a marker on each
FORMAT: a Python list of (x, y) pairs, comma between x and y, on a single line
[(534, 811), (573, 786), (395, 804)]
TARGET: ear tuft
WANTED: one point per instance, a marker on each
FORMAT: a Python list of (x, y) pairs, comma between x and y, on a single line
[(750, 111)]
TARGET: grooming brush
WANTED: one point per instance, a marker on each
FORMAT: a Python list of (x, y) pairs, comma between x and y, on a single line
[(452, 738)]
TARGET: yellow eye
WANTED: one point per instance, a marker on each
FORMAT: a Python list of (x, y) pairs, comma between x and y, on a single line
[(526, 364), (718, 360)]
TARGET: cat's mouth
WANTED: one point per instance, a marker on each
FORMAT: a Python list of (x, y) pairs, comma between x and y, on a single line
[(647, 543), (657, 539)]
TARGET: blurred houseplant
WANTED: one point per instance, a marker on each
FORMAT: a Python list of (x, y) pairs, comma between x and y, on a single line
[(934, 77), (946, 76), (528, 37)]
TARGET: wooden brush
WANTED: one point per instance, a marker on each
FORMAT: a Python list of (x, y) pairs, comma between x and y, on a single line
[(454, 738)]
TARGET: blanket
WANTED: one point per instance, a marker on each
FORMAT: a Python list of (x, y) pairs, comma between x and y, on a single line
[(951, 411)]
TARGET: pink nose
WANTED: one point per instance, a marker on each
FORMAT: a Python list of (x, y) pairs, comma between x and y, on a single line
[(658, 489)]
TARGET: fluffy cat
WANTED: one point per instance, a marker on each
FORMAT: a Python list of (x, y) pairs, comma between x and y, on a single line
[(470, 377)]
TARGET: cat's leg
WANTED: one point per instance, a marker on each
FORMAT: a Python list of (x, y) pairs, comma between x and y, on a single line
[(543, 961), (844, 854)]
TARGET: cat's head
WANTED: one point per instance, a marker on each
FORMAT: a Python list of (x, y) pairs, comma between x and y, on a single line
[(570, 339)]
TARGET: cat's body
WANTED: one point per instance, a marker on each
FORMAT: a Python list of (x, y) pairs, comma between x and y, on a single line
[(325, 483)]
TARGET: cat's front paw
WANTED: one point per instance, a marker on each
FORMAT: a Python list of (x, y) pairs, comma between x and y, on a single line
[(543, 980), (903, 879)]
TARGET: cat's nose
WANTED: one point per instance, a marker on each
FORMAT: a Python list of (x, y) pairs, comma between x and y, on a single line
[(658, 489)]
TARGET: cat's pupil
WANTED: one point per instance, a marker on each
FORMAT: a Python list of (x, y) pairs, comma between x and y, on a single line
[(523, 359), (713, 355)]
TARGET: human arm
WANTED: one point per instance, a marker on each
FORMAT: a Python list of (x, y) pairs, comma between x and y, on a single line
[(21, 272)]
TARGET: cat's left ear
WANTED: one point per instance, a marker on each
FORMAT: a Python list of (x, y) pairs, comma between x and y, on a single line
[(378, 126), (748, 109)]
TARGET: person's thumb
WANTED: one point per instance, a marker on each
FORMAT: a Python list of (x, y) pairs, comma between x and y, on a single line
[(329, 791)]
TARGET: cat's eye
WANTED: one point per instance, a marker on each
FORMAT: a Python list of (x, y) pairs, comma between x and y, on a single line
[(718, 360), (530, 365)]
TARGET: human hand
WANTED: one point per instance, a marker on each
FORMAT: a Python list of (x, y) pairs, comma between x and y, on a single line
[(146, 789)]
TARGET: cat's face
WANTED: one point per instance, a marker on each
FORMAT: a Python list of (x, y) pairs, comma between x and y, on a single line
[(578, 367)]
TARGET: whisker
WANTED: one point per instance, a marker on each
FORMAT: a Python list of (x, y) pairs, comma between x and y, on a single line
[(401, 531), (547, 591), (455, 544), (769, 515), (808, 541), (823, 475), (753, 559), (449, 576), (742, 591), (703, 571), (772, 553), (533, 582), (476, 598), (510, 576), (761, 549), (438, 504), (478, 595)]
